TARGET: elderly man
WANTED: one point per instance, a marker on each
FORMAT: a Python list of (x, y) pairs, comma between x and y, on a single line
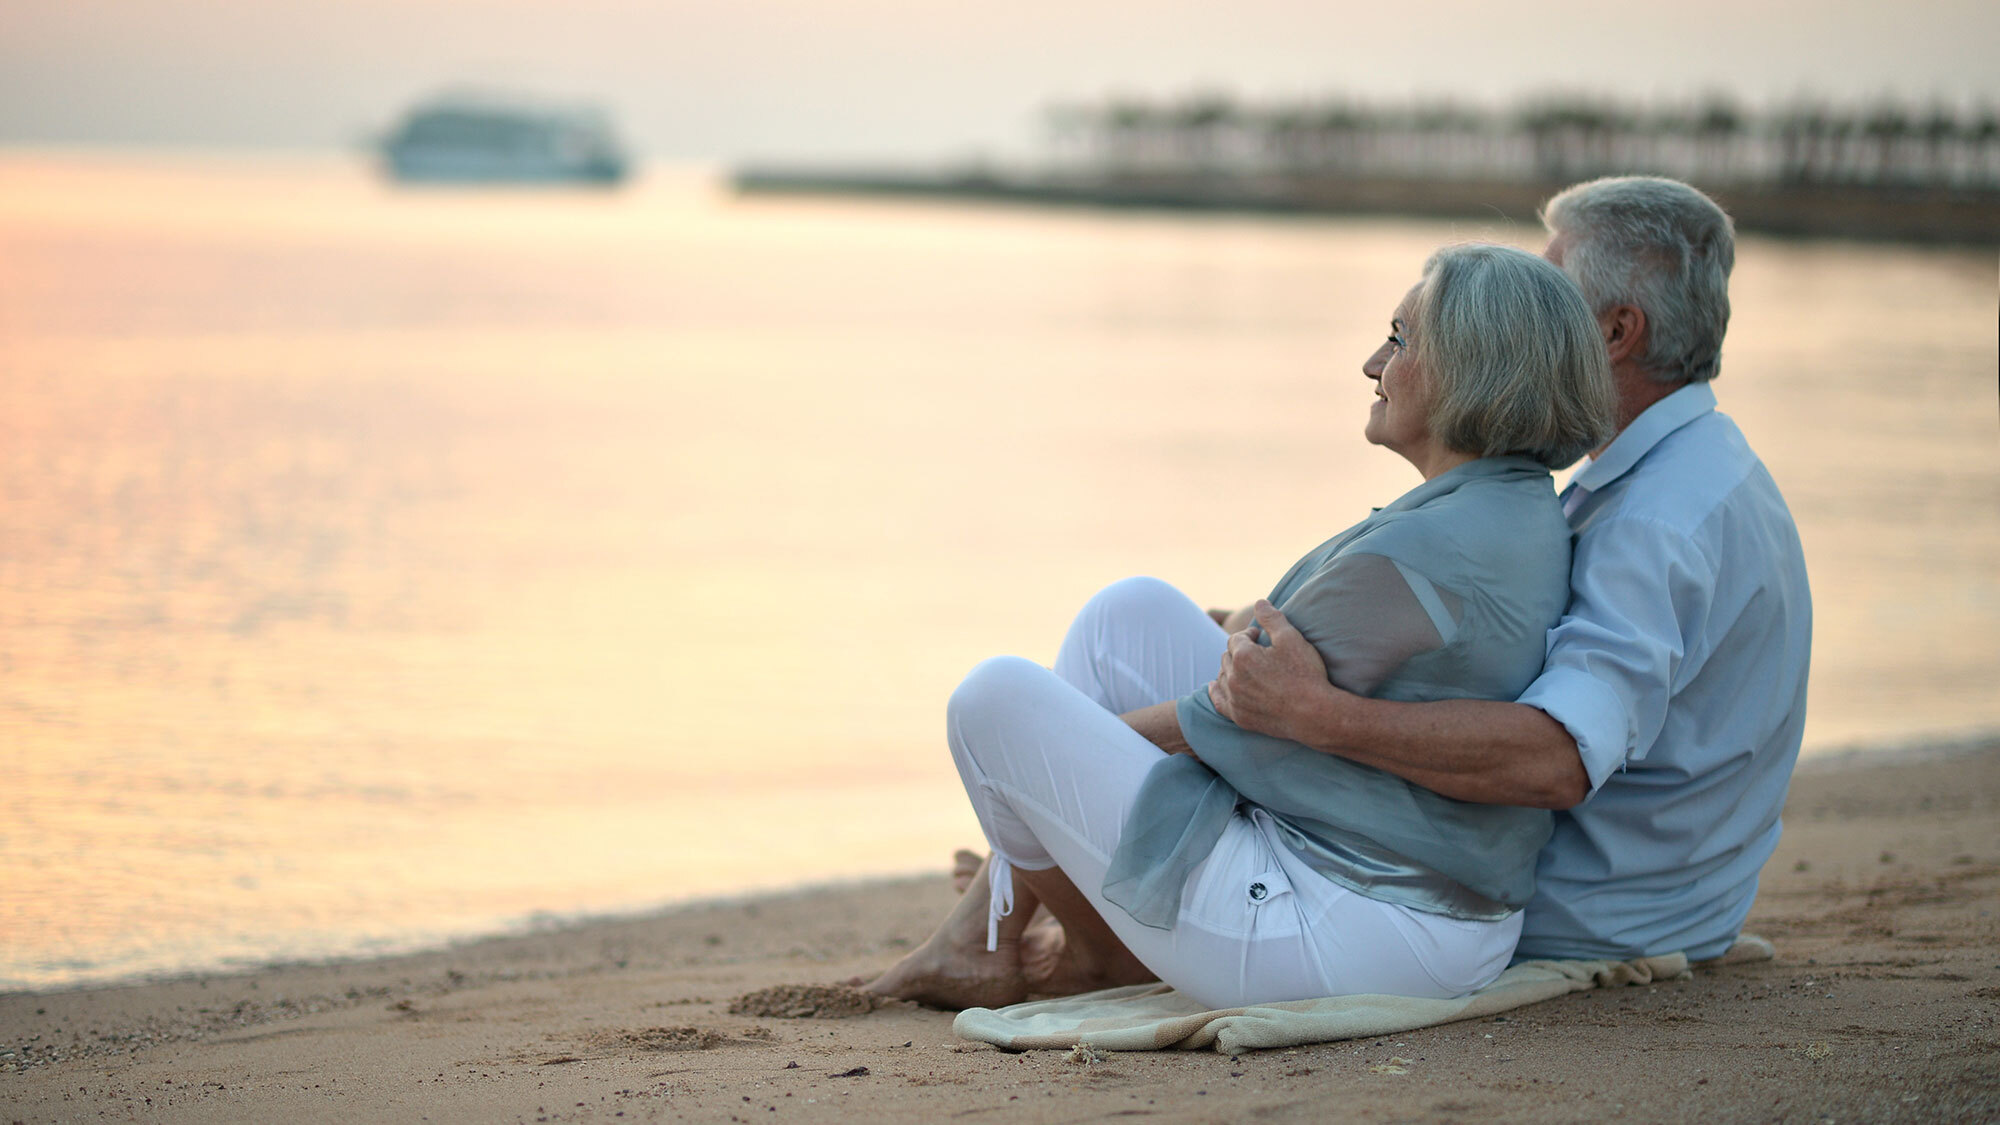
[(1667, 719)]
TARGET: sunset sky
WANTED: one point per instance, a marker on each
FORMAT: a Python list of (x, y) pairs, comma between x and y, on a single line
[(913, 77)]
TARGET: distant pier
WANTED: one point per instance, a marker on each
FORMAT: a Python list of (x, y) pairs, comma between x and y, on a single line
[(1906, 215), (1879, 172)]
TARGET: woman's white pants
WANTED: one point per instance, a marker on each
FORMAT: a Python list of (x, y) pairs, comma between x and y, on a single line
[(1052, 770)]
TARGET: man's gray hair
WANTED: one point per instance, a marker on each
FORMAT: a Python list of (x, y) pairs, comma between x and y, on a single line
[(1661, 246), (1513, 356)]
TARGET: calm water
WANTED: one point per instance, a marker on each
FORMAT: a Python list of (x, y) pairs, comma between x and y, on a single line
[(382, 567)]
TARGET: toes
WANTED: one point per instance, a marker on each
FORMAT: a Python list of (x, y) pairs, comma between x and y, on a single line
[(964, 865)]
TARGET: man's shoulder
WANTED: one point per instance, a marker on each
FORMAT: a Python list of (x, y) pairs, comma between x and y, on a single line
[(1701, 474), (1702, 506)]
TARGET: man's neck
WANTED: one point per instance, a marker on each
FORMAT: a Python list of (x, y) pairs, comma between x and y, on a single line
[(1637, 392)]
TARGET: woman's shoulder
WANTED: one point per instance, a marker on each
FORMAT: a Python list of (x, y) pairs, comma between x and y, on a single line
[(1513, 507), (1513, 516), (1525, 503)]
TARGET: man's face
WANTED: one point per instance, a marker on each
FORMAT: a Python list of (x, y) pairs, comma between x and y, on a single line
[(1553, 253), (1558, 245)]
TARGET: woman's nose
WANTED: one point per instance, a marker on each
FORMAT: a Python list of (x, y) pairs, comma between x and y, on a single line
[(1372, 367)]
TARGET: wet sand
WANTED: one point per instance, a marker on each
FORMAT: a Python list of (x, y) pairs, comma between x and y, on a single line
[(1883, 901)]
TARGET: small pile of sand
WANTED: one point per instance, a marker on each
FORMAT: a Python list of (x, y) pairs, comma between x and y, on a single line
[(660, 1039), (806, 1001)]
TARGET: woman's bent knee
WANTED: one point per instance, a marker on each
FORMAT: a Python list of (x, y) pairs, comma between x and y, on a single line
[(992, 688), (1140, 597)]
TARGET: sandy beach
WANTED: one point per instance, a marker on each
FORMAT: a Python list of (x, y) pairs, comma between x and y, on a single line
[(1883, 902)]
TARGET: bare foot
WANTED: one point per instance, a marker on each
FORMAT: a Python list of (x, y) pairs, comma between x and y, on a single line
[(1041, 957), (964, 865), (1051, 967), (938, 976)]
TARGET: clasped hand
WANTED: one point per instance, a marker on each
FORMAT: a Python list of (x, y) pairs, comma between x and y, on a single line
[(1261, 686)]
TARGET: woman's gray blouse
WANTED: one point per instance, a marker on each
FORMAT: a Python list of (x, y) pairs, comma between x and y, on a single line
[(1447, 593)]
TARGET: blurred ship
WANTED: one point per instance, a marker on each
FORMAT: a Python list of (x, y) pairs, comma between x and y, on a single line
[(467, 139)]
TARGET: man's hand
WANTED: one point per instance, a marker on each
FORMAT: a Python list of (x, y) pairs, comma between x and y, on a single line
[(1262, 688), (1468, 749)]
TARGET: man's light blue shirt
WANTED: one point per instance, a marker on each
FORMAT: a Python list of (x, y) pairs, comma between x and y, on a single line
[(1680, 670)]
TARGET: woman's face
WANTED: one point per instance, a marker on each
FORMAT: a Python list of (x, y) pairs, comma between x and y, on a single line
[(1400, 417)]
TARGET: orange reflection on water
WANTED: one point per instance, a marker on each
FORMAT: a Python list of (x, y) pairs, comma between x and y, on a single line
[(384, 566)]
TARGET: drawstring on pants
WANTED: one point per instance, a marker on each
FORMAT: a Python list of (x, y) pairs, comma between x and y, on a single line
[(1000, 881)]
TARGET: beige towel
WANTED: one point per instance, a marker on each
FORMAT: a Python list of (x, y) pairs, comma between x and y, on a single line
[(1153, 1017)]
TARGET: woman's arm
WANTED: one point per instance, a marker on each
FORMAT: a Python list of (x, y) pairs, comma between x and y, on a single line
[(1161, 725), (1234, 620)]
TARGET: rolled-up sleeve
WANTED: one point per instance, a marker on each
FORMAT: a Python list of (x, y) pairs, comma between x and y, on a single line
[(1638, 589)]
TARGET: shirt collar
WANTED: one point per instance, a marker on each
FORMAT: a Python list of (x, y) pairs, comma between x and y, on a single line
[(1508, 465), (1645, 432)]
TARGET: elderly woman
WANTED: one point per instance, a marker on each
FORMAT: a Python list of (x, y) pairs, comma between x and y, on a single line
[(1244, 869)]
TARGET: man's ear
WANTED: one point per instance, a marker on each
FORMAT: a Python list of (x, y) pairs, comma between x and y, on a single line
[(1624, 332)]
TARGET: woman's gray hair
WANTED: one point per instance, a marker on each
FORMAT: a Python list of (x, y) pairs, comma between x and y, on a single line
[(1513, 356), (1662, 247)]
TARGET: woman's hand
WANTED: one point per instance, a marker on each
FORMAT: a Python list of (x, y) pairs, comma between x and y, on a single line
[(1233, 620), (1267, 689)]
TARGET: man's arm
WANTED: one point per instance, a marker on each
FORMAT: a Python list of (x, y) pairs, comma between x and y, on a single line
[(1472, 750)]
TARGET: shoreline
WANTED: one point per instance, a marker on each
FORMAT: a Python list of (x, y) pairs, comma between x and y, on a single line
[(1866, 754), (535, 923), (1883, 901)]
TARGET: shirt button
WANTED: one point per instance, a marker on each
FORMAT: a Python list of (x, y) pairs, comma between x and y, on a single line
[(1259, 892)]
